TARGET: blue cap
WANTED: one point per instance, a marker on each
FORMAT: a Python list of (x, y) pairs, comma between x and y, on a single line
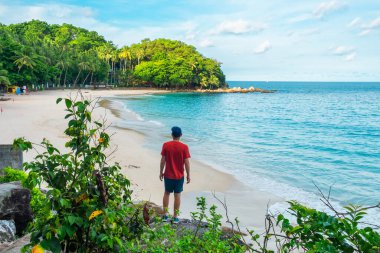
[(176, 132)]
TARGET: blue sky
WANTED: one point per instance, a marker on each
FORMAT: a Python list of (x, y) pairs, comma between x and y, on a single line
[(274, 40)]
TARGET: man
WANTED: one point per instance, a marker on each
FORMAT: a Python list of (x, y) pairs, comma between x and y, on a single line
[(175, 155)]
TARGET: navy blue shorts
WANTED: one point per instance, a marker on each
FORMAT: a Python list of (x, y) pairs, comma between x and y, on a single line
[(174, 185)]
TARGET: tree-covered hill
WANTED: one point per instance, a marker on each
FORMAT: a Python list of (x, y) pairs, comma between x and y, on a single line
[(36, 53)]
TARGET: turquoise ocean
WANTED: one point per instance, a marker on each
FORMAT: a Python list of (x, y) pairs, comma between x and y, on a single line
[(306, 133)]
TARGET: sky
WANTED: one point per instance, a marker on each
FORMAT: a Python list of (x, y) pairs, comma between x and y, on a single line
[(273, 40)]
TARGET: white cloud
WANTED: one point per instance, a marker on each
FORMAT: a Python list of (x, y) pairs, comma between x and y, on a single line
[(355, 22), (343, 50), (206, 43), (367, 28), (365, 32), (319, 12), (350, 57), (52, 13), (238, 27), (347, 53), (263, 47), (374, 23), (327, 7), (300, 18)]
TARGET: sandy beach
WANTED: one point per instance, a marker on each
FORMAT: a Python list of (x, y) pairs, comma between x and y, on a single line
[(36, 116)]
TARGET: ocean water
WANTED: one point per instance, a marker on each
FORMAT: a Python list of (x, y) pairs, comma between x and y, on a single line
[(305, 134)]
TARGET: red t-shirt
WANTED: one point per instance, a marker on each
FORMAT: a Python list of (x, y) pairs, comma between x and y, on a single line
[(175, 153)]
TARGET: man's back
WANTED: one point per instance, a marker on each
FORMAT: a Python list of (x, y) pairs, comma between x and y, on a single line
[(175, 153)]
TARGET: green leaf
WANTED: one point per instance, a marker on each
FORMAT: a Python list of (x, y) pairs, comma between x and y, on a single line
[(70, 231), (64, 203), (88, 116), (68, 115), (58, 100), (52, 244), (71, 219), (68, 103)]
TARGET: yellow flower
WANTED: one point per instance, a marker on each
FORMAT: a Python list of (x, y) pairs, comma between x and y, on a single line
[(37, 249), (101, 140), (94, 214)]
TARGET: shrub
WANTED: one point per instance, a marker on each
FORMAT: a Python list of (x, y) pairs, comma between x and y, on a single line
[(11, 175), (87, 198)]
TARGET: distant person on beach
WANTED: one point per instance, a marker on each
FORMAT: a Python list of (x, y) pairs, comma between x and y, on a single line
[(175, 156)]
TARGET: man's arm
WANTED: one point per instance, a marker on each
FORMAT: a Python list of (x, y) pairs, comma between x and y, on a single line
[(162, 166), (187, 167)]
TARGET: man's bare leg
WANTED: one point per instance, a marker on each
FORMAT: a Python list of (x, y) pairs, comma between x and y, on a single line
[(177, 204), (165, 202)]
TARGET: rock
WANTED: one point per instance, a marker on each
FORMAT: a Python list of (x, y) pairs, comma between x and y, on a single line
[(7, 231), (16, 246), (15, 205), (10, 157)]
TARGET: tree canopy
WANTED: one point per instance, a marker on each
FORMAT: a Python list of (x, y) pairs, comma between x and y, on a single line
[(36, 53)]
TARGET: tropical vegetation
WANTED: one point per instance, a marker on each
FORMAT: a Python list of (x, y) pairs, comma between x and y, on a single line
[(87, 207), (38, 54)]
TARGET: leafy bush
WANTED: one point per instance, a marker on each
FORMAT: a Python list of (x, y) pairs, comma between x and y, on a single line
[(162, 237), (318, 232), (87, 198), (11, 175)]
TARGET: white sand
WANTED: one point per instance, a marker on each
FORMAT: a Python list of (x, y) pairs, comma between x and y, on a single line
[(36, 116)]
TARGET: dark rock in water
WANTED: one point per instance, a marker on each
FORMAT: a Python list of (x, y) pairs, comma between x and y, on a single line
[(7, 231), (15, 205)]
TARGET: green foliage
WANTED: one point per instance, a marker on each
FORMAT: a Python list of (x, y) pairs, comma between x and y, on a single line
[(4, 80), (36, 53), (11, 175), (173, 64), (319, 232), (87, 198), (39, 54), (163, 237)]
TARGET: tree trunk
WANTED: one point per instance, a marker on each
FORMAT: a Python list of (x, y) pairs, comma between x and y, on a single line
[(59, 79), (86, 78), (76, 79), (64, 79), (92, 74)]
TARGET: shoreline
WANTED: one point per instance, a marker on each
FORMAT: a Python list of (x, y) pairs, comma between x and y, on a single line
[(242, 200), (36, 116)]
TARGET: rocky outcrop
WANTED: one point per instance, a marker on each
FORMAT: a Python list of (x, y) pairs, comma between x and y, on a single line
[(15, 205), (236, 90), (7, 231), (16, 246), (10, 157)]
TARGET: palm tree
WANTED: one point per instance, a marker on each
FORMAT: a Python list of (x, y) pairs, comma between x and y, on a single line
[(83, 65), (24, 61), (125, 54), (105, 53), (139, 55), (114, 59), (4, 81)]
